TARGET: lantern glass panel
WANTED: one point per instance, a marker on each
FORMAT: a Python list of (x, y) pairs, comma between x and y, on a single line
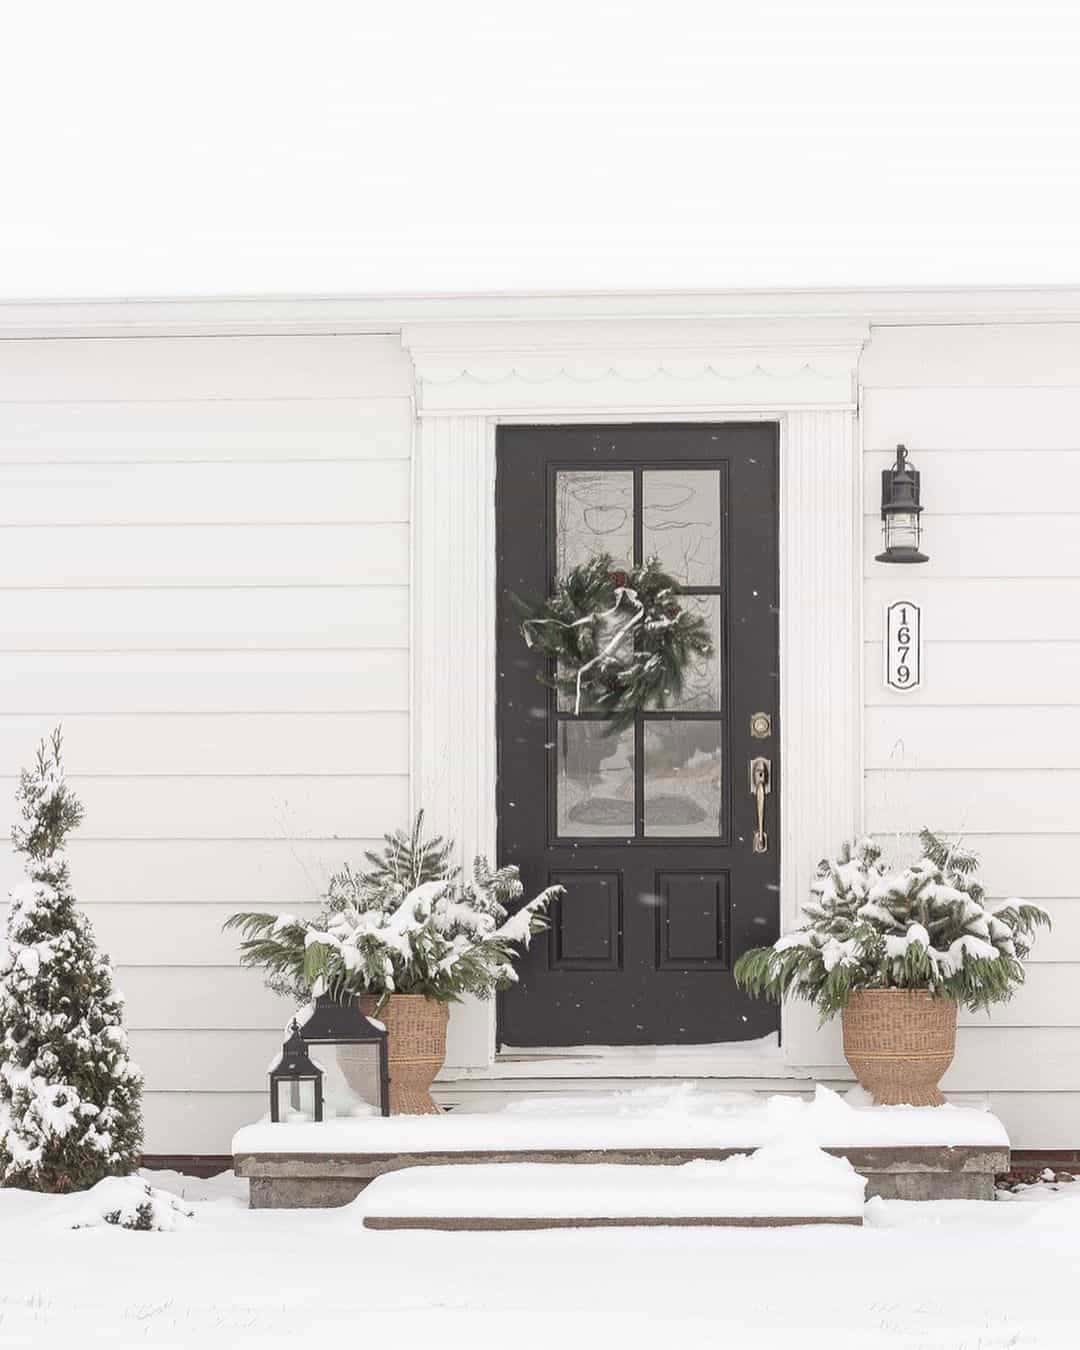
[(295, 1099), (351, 1083), (902, 530)]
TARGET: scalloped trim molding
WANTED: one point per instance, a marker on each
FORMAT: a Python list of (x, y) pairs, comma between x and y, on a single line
[(586, 367), (539, 372)]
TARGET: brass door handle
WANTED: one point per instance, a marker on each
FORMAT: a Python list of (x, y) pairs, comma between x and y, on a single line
[(760, 787)]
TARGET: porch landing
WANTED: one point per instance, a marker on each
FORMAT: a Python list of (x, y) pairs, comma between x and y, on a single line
[(906, 1153)]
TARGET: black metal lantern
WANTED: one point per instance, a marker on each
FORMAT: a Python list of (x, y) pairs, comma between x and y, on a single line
[(358, 1071), (900, 511), (296, 1083)]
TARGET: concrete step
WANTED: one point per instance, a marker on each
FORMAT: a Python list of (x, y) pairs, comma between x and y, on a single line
[(908, 1153), (772, 1188)]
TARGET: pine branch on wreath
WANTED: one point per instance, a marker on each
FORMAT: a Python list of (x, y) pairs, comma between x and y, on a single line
[(620, 641)]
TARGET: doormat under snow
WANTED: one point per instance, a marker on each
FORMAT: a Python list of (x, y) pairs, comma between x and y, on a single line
[(778, 1186)]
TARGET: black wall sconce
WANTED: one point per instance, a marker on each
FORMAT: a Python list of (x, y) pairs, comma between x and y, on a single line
[(900, 511)]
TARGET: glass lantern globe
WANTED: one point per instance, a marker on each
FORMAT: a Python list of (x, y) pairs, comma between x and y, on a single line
[(296, 1083), (355, 1059), (901, 510)]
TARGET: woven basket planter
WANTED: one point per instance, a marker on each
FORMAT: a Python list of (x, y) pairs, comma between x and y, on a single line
[(899, 1042), (416, 1048)]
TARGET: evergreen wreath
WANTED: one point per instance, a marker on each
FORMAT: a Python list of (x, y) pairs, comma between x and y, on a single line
[(620, 640)]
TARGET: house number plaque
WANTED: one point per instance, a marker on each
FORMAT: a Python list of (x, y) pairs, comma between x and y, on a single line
[(903, 646)]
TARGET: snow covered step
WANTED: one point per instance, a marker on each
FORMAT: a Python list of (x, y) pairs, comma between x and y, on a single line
[(777, 1186), (908, 1153)]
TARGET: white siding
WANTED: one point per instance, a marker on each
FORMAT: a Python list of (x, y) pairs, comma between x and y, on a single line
[(990, 745), (204, 571)]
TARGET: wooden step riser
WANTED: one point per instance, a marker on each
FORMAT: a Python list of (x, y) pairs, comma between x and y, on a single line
[(511, 1225)]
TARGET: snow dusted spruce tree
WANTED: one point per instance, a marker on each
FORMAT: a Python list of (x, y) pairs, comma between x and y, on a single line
[(926, 926), (70, 1098)]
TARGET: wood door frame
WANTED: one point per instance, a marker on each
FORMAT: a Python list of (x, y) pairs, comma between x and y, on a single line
[(461, 400)]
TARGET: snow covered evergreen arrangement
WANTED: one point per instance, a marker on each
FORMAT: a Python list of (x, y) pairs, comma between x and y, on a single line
[(406, 925), (70, 1097), (128, 1202), (926, 926)]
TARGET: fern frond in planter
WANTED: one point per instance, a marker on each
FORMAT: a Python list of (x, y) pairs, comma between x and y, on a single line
[(276, 943), (925, 926), (407, 925)]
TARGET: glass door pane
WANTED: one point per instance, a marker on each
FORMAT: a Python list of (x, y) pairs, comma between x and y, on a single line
[(682, 778), (594, 780), (594, 513), (681, 523), (702, 680)]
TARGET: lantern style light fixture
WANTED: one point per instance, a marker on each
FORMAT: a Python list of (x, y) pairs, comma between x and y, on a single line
[(900, 511), (296, 1083), (358, 1074)]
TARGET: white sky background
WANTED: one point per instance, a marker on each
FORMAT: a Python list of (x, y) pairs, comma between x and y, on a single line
[(153, 147)]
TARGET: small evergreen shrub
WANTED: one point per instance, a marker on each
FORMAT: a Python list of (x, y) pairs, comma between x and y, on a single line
[(926, 926), (128, 1202), (406, 925), (70, 1097)]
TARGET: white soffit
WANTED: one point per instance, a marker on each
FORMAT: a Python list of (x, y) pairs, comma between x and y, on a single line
[(226, 315)]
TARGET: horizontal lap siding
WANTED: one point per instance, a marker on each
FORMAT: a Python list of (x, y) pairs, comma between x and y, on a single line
[(216, 681), (243, 807), (204, 572), (187, 556), (214, 431), (230, 872), (989, 746)]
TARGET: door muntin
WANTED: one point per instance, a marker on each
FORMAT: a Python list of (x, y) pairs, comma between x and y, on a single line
[(633, 512)]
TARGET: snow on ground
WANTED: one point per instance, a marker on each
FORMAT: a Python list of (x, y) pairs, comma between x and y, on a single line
[(952, 1275)]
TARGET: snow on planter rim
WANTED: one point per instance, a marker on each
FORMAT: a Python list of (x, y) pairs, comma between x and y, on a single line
[(779, 1181), (676, 1117)]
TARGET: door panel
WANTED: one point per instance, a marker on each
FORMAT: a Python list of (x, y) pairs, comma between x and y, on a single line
[(650, 829)]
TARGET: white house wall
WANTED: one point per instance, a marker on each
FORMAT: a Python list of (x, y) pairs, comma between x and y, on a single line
[(989, 746), (204, 571)]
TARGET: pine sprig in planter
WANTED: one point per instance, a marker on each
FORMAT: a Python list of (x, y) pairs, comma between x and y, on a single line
[(923, 927), (621, 641), (406, 925)]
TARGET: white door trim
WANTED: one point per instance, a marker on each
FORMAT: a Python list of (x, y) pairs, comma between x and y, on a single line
[(468, 379)]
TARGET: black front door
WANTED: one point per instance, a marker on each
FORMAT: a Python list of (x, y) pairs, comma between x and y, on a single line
[(652, 830)]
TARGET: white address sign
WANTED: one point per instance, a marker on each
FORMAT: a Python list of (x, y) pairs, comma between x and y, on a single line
[(903, 645)]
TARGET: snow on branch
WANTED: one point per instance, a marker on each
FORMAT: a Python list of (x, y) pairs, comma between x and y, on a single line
[(408, 924), (924, 926)]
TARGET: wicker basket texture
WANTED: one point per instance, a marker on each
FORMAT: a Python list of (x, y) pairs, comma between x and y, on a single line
[(899, 1042), (416, 1048)]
